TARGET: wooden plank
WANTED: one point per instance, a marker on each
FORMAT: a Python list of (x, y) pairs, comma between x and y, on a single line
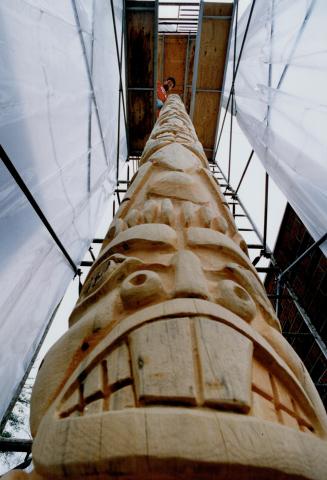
[(175, 60), (140, 108), (205, 117), (140, 48), (214, 41), (140, 74), (213, 50), (218, 9), (172, 50)]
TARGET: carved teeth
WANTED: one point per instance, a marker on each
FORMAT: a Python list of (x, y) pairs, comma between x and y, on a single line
[(71, 405), (133, 218), (150, 211), (167, 212), (107, 383), (188, 210), (94, 382), (207, 215)]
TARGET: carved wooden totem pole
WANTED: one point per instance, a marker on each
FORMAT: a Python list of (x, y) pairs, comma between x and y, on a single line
[(174, 366)]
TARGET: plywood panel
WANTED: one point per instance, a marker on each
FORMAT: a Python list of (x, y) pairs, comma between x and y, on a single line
[(218, 9), (140, 111), (140, 51), (175, 59), (205, 117), (140, 73), (211, 66), (213, 53)]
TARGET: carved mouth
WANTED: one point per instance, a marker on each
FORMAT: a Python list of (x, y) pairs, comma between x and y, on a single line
[(123, 371)]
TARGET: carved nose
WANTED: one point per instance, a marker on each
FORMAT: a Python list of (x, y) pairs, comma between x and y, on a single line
[(190, 281)]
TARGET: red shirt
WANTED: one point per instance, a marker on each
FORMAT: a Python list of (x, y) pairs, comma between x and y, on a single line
[(161, 92)]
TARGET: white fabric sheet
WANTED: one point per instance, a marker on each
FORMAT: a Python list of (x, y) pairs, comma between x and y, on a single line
[(51, 132), (281, 100)]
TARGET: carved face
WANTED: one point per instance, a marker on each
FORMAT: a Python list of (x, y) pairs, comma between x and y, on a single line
[(153, 268)]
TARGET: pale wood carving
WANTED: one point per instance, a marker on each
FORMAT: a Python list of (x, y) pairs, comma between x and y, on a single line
[(174, 365)]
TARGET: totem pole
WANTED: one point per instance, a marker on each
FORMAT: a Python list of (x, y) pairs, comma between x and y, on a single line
[(174, 366)]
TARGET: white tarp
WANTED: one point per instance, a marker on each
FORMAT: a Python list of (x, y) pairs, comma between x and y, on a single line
[(64, 149), (281, 100)]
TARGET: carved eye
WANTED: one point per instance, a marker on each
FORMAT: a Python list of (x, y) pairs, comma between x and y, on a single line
[(141, 287), (100, 274), (93, 282), (235, 298)]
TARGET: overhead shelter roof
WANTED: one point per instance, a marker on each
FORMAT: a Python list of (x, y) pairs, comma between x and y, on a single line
[(194, 54)]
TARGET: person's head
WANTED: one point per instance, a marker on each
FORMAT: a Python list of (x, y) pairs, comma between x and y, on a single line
[(169, 83)]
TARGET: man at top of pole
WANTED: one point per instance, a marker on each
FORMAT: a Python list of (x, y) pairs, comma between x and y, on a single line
[(163, 90)]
